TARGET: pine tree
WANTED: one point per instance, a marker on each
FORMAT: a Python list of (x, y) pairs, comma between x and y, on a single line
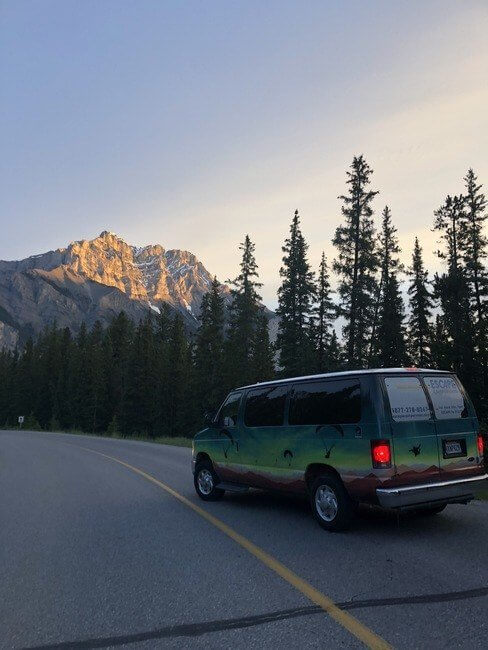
[(474, 245), (388, 344), (80, 382), (141, 396), (64, 408), (335, 354), (26, 381), (13, 395), (325, 313), (162, 338), (452, 290), (296, 296), (243, 314), (49, 364), (7, 395), (120, 333), (97, 397), (263, 354), (179, 413), (448, 221), (357, 263), (421, 303), (441, 346), (209, 351), (474, 242)]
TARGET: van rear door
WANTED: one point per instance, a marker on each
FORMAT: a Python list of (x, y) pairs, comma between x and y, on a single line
[(456, 426), (415, 448)]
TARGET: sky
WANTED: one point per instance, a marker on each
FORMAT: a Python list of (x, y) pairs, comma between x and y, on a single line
[(191, 123)]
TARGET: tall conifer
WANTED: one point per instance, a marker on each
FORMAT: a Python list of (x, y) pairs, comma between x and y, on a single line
[(179, 412), (419, 328), (357, 263), (263, 354), (452, 290), (388, 343), (474, 244), (141, 415), (121, 333), (296, 296), (243, 313), (325, 313), (209, 351)]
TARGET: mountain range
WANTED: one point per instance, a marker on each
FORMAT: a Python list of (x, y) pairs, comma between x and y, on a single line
[(95, 279)]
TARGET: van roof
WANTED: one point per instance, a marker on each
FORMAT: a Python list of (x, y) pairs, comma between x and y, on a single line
[(343, 373)]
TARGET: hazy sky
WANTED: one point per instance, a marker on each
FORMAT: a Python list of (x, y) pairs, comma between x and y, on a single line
[(192, 123)]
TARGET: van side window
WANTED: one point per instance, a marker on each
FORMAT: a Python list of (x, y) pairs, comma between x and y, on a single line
[(265, 407), (229, 410), (408, 401), (326, 402), (447, 399)]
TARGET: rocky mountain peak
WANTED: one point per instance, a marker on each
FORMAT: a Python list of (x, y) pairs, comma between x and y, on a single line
[(95, 278), (149, 273)]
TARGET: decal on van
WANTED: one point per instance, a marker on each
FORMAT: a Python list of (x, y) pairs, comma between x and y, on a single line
[(446, 397), (415, 450), (327, 451), (269, 436), (407, 399)]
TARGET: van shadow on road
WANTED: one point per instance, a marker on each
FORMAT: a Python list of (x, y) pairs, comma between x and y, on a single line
[(369, 519)]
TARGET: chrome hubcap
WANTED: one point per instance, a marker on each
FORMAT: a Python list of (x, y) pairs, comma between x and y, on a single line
[(326, 503), (205, 482)]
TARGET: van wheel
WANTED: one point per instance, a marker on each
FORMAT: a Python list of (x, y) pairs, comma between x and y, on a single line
[(205, 481), (332, 507)]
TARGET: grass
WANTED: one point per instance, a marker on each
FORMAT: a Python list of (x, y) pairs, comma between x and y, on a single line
[(177, 441)]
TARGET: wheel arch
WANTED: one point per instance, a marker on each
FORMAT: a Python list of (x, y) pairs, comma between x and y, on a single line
[(316, 469), (203, 456)]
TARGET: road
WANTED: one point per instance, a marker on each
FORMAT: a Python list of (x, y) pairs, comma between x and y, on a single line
[(95, 554)]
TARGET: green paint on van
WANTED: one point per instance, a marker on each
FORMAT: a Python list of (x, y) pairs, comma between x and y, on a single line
[(279, 435)]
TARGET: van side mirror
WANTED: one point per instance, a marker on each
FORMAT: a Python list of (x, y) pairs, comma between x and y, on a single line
[(209, 418)]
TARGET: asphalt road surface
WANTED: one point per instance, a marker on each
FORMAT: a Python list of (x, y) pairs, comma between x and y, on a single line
[(94, 554)]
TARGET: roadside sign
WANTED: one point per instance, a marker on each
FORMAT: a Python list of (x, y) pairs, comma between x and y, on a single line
[(21, 420)]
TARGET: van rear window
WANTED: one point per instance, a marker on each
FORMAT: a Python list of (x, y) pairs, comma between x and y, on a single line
[(447, 399), (408, 401)]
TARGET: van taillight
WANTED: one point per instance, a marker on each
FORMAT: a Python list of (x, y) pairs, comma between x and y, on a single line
[(381, 453), (481, 445)]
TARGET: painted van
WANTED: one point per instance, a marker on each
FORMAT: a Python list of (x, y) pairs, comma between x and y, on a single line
[(395, 437)]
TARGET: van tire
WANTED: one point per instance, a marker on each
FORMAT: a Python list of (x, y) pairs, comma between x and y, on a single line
[(337, 509), (205, 481)]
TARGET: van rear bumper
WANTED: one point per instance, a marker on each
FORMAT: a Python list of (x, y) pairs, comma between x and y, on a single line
[(458, 490)]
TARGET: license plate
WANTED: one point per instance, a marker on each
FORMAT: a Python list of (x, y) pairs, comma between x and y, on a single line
[(453, 448)]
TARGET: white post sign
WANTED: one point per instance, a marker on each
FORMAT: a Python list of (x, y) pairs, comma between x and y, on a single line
[(21, 420)]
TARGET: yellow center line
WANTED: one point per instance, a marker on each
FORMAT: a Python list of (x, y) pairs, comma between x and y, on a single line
[(355, 627)]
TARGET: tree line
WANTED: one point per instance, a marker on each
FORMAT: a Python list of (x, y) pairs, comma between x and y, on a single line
[(153, 379)]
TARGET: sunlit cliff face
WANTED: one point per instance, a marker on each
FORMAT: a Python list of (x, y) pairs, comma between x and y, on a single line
[(148, 273), (96, 279)]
